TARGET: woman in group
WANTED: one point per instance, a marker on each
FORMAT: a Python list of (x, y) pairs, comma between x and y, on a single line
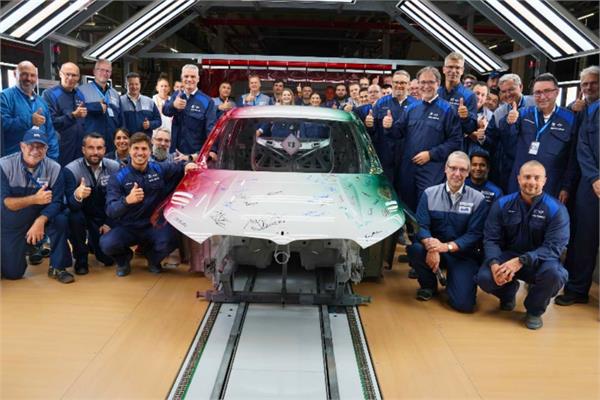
[(315, 100), (121, 142), (161, 96)]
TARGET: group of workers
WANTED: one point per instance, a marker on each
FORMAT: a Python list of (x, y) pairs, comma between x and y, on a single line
[(86, 166)]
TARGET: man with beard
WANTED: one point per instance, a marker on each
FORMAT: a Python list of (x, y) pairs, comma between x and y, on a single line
[(451, 216), (32, 195), (85, 189), (478, 179), (340, 99), (67, 108), (132, 197), (161, 142), (22, 109), (524, 236)]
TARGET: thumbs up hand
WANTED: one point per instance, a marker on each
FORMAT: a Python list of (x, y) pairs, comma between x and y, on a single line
[(369, 119), (348, 107), (37, 118), (513, 115), (463, 112), (388, 120), (579, 104), (82, 191), (146, 124), (179, 103), (43, 196), (135, 196)]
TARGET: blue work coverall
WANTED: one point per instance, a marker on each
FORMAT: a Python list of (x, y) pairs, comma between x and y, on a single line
[(489, 190), (61, 104), (135, 112), (425, 126), (557, 140), (18, 181), (260, 99), (581, 261), (132, 221), (87, 216), (192, 125), (16, 109), (458, 92), (104, 123), (540, 232), (462, 223)]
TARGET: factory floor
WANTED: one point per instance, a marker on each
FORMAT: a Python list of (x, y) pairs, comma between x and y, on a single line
[(108, 337)]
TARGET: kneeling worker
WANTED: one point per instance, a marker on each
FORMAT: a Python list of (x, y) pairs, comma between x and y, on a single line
[(525, 234), (132, 195), (451, 216)]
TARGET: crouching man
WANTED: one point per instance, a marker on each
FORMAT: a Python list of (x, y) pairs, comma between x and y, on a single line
[(525, 234), (133, 194), (32, 194), (451, 216)]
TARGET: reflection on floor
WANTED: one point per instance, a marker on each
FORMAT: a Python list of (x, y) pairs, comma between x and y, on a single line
[(109, 337)]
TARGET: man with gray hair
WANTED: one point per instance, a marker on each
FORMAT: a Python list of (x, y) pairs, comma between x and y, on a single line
[(161, 142), (451, 216), (194, 114)]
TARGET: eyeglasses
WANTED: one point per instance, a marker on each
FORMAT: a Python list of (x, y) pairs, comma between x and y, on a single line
[(545, 92), (463, 171), (69, 75)]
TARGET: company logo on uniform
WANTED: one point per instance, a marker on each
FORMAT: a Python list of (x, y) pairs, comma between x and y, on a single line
[(537, 213), (557, 126), (433, 115), (464, 207), (195, 108)]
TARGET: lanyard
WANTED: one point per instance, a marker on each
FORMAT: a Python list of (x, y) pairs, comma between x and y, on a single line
[(105, 96), (537, 127)]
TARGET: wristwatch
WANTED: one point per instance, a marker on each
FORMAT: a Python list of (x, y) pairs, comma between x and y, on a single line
[(524, 259), (450, 248)]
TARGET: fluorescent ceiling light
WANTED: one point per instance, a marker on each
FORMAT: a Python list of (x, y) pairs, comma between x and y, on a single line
[(138, 28), (547, 26), (451, 35), (586, 16), (493, 46), (174, 50), (31, 21)]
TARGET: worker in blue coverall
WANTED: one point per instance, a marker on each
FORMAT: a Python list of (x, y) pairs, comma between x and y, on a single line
[(85, 192), (132, 196), (582, 261), (68, 112), (194, 114), (429, 131), (21, 109), (463, 100), (103, 104), (545, 133), (385, 111), (32, 206), (525, 234), (478, 179), (223, 101), (451, 216), (254, 97), (139, 112), (511, 89)]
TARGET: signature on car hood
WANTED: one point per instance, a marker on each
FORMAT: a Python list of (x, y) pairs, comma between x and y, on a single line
[(284, 207)]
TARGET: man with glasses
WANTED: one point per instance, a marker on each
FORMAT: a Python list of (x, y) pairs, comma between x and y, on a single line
[(429, 131), (545, 133), (524, 236), (103, 104), (451, 216), (21, 109), (68, 112), (32, 206), (511, 89)]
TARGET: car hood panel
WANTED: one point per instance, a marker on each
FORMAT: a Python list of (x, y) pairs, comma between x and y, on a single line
[(284, 207)]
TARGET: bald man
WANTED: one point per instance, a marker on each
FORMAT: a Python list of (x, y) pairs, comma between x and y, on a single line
[(68, 112), (22, 109)]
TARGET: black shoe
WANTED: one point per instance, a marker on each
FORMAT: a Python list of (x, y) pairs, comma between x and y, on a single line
[(568, 299), (155, 269), (402, 258), (123, 270), (45, 252), (81, 269), (412, 273), (60, 275), (533, 321), (508, 305), (35, 258), (424, 294)]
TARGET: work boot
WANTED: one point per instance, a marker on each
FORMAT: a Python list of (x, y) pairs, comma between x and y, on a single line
[(570, 298), (81, 269), (155, 268), (533, 321), (60, 275), (424, 294), (412, 273)]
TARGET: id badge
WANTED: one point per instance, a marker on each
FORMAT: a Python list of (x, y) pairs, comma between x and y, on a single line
[(533, 149), (110, 111)]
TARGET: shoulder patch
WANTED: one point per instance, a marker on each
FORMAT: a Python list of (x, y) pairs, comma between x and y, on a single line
[(552, 204), (505, 199)]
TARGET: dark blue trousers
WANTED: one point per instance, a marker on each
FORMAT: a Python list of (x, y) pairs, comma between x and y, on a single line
[(14, 246), (546, 278), (461, 270), (156, 242), (81, 227), (581, 258)]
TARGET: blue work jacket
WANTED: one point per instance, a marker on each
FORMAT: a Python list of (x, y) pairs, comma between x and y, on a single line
[(453, 97), (103, 123), (134, 112)]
